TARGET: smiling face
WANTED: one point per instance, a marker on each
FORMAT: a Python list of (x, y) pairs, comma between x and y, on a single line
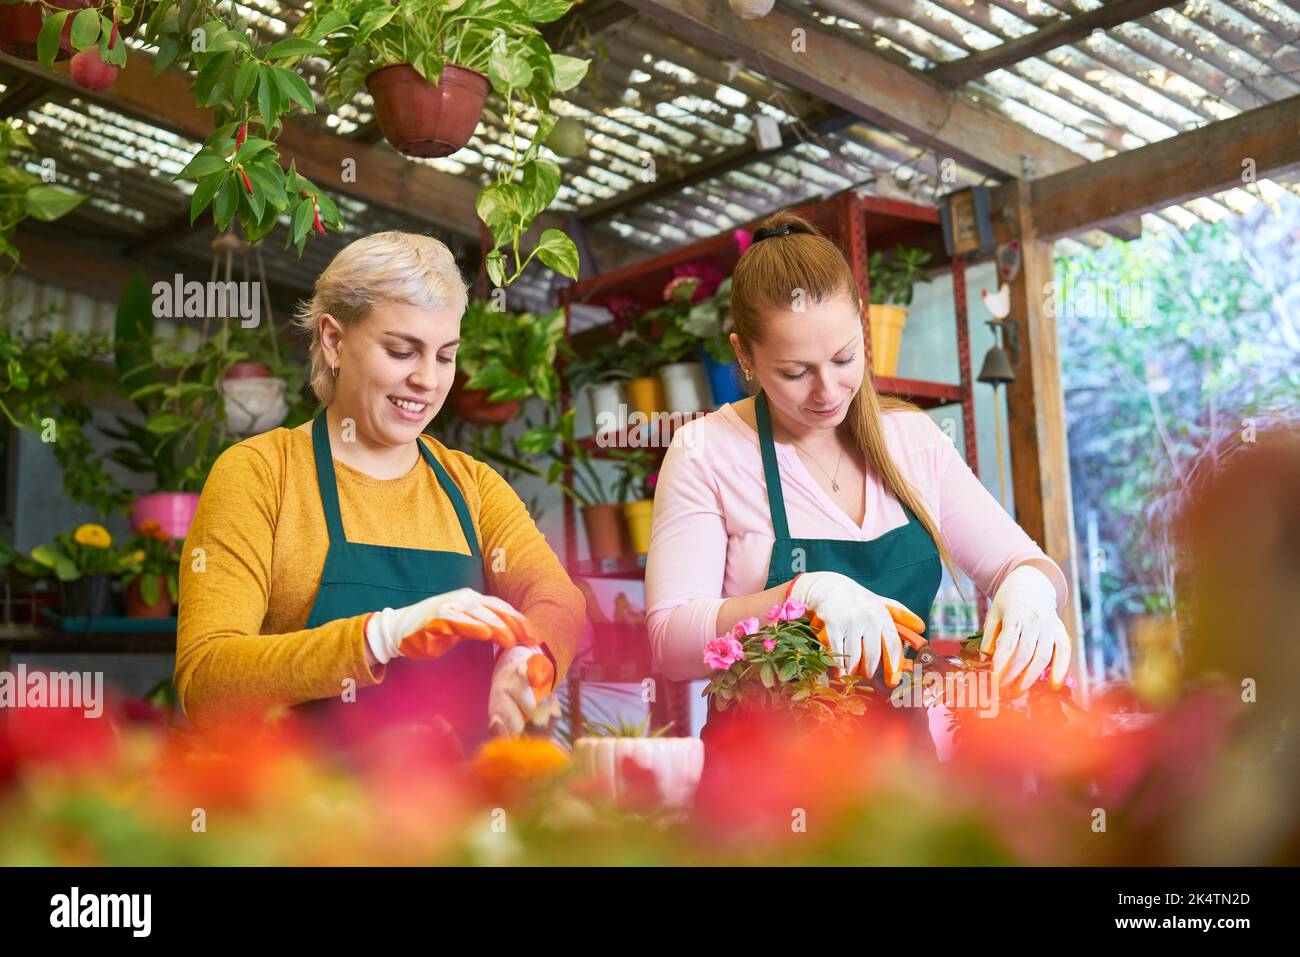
[(810, 363), (395, 368)]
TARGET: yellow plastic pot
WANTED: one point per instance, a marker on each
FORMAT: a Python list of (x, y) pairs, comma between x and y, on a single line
[(646, 396), (640, 516), (887, 324)]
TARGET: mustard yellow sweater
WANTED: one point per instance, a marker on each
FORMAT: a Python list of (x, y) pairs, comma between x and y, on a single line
[(246, 596)]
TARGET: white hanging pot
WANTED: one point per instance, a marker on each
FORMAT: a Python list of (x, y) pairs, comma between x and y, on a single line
[(686, 387), (254, 404), (676, 764), (608, 408), (751, 9)]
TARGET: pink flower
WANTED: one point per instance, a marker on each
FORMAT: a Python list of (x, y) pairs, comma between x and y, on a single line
[(775, 613), (769, 644), (708, 275), (681, 289), (794, 608), (745, 627), (721, 653)]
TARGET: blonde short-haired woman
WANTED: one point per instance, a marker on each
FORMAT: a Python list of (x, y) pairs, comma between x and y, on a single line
[(333, 551)]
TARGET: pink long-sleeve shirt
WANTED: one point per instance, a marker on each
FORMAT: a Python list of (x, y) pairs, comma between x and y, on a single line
[(712, 535)]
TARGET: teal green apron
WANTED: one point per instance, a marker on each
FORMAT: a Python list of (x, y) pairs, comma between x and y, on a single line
[(447, 693), (902, 564)]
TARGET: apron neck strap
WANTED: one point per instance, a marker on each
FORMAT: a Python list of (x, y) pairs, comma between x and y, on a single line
[(329, 489), (771, 470)]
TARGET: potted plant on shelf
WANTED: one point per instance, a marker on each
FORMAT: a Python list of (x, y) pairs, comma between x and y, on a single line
[(24, 595), (891, 283), (428, 65), (635, 491), (505, 358), (152, 572), (85, 563), (602, 513)]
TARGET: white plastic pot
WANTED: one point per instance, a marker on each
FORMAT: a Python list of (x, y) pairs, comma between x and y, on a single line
[(676, 764), (254, 405), (608, 407), (752, 9), (686, 387)]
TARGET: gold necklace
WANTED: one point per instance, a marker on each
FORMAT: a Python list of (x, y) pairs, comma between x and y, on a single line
[(835, 485)]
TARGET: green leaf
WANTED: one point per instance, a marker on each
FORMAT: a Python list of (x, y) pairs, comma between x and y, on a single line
[(227, 201), (85, 28), (294, 88), (541, 181), (204, 192), (212, 80), (47, 41), (545, 11), (301, 224), (373, 20), (509, 70), (244, 81), (496, 268), (267, 98), (569, 71), (252, 146), (168, 49), (165, 423), (294, 47), (499, 205), (557, 250), (48, 203), (203, 164), (265, 182)]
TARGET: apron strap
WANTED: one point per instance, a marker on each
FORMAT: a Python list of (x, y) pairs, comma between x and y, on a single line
[(453, 493), (771, 470), (329, 489)]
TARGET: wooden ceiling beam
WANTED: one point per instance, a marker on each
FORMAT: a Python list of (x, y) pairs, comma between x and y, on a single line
[(1197, 163), (1058, 33)]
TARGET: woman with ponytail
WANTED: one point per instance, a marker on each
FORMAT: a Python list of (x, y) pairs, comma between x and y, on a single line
[(818, 489)]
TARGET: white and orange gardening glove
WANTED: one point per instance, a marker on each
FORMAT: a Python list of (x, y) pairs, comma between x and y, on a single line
[(856, 624), (432, 627), (1023, 631), (521, 680)]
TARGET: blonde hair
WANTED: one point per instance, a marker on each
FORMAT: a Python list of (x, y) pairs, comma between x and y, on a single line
[(806, 259), (392, 266)]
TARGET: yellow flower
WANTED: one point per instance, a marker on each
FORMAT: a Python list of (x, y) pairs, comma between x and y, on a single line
[(94, 536), (137, 556)]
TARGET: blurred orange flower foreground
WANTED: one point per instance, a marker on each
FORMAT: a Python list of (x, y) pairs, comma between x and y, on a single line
[(126, 788)]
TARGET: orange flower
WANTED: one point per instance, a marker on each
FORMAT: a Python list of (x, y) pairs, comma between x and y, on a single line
[(506, 765)]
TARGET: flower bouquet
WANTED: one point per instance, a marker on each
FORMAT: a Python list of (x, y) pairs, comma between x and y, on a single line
[(783, 666)]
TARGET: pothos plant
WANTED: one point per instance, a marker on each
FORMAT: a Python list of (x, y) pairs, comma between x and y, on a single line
[(513, 355), (250, 86), (494, 37)]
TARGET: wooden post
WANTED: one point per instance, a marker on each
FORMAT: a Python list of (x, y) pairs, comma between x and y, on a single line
[(1040, 461)]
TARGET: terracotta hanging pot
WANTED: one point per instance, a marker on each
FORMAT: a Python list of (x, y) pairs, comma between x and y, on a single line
[(423, 119), (20, 25)]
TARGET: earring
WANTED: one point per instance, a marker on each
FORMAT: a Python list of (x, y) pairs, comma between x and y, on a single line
[(335, 370), (748, 375)]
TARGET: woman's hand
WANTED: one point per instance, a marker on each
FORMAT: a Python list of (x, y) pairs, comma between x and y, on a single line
[(855, 623), (431, 627), (1023, 630), (521, 679)]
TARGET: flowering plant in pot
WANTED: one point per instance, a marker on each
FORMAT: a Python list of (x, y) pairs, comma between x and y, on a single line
[(432, 62), (85, 563), (151, 572), (782, 665), (635, 767), (504, 359), (25, 586)]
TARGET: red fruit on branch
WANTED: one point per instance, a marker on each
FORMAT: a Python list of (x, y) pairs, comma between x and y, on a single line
[(316, 223), (248, 185), (90, 72), (239, 137)]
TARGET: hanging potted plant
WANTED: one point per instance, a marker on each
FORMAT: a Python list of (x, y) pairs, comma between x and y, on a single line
[(504, 359), (429, 65), (152, 570), (891, 284), (85, 563), (20, 27)]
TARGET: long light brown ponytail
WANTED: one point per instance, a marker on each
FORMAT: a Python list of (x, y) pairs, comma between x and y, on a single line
[(764, 282)]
